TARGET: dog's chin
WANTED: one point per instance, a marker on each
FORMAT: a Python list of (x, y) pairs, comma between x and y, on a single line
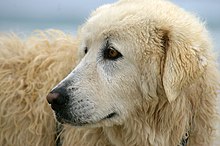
[(109, 120), (69, 122)]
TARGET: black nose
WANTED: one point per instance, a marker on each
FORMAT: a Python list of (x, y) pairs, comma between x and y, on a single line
[(58, 97)]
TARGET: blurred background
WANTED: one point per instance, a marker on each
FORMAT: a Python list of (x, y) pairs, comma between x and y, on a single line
[(24, 16)]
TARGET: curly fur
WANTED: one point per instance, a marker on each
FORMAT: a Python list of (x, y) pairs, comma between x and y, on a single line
[(28, 70)]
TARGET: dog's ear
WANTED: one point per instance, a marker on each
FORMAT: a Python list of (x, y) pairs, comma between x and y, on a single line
[(182, 63)]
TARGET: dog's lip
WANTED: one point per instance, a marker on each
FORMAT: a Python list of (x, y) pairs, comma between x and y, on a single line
[(111, 115), (65, 121)]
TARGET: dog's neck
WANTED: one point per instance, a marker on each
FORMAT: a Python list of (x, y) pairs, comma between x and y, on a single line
[(154, 126)]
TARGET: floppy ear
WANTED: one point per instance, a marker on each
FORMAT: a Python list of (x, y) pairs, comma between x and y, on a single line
[(183, 64)]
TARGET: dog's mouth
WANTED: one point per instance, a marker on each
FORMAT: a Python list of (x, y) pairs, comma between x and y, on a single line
[(76, 121), (111, 115)]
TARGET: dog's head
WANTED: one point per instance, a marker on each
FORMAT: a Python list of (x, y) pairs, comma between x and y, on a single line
[(131, 52)]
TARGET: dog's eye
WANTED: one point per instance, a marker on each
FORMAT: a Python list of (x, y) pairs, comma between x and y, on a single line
[(111, 53), (85, 50)]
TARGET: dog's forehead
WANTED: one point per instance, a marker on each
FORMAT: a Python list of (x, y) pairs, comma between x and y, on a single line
[(112, 18)]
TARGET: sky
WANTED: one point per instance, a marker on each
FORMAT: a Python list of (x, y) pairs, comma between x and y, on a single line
[(67, 10)]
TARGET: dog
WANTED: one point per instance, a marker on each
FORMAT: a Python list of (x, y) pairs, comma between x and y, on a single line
[(147, 76)]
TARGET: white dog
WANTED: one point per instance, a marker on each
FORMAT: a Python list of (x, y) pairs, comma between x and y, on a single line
[(147, 77)]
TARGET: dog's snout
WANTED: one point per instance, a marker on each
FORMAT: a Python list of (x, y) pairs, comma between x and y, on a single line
[(57, 97)]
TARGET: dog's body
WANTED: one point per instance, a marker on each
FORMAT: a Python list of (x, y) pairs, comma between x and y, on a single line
[(147, 76)]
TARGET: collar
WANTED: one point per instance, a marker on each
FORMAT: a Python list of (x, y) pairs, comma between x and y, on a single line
[(184, 140)]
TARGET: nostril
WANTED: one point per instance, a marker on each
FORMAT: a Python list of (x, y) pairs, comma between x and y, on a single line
[(52, 97)]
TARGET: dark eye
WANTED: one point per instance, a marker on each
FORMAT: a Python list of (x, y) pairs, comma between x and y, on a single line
[(111, 53), (85, 50)]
